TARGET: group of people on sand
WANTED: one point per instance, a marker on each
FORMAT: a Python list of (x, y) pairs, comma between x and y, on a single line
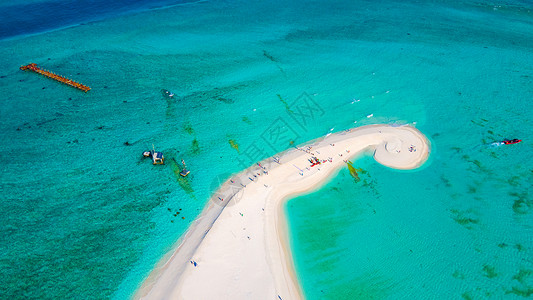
[(254, 174), (307, 150), (314, 161)]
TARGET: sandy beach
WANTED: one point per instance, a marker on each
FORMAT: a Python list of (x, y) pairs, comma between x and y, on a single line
[(238, 247)]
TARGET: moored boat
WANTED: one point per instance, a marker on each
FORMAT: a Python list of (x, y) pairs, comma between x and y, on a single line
[(184, 172), (157, 157), (510, 142)]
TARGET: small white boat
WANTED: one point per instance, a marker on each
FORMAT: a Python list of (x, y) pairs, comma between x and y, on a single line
[(167, 93)]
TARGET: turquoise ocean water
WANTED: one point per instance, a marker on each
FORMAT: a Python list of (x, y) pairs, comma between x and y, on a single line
[(85, 216)]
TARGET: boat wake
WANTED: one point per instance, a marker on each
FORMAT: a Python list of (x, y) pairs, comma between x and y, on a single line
[(495, 144)]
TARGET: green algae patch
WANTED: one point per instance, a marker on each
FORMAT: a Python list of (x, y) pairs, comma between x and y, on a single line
[(522, 292), (514, 181), (188, 128), (353, 171), (287, 107), (464, 218), (472, 189), (456, 149), (458, 275), (246, 120), (234, 145), (522, 203), (489, 271), (465, 221), (467, 296), (221, 94), (446, 181), (195, 147), (525, 278), (523, 275), (270, 57), (503, 245)]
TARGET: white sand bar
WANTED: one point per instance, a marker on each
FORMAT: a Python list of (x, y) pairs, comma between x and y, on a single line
[(238, 248)]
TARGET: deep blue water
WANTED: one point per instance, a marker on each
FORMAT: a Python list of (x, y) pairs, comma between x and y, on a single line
[(34, 17)]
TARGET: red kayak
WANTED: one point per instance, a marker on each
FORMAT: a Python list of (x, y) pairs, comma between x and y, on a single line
[(509, 142)]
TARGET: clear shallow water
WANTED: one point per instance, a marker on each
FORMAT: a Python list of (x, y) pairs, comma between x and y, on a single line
[(84, 214)]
